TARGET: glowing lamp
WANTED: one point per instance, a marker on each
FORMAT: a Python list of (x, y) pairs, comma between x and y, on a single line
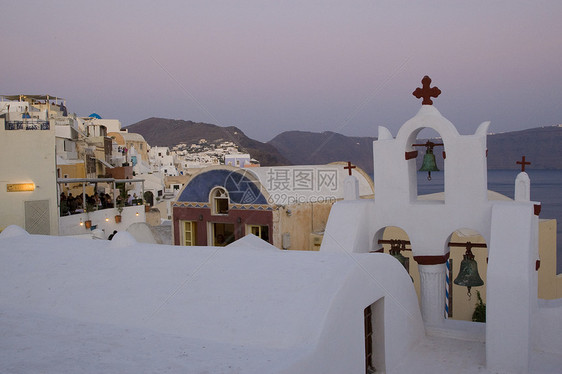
[(20, 187)]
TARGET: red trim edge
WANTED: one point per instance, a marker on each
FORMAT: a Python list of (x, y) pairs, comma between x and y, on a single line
[(432, 260), (411, 154)]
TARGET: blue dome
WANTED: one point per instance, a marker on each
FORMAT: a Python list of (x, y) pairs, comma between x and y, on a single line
[(241, 190), (95, 115)]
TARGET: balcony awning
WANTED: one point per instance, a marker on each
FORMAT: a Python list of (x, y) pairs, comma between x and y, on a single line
[(32, 97), (98, 180), (105, 163)]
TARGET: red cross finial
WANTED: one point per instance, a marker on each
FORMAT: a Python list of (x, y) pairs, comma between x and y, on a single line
[(349, 167), (426, 92), (523, 163)]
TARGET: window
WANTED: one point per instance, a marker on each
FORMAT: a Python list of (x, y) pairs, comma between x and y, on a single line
[(221, 234), (189, 233), (259, 231), (219, 201)]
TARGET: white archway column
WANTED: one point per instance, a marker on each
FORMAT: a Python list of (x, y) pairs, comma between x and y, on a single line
[(432, 292)]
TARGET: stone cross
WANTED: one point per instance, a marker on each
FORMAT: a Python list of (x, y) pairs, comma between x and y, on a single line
[(349, 167), (523, 163), (426, 92)]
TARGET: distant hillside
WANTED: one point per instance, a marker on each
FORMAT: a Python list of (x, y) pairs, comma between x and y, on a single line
[(170, 132), (542, 146), (310, 148)]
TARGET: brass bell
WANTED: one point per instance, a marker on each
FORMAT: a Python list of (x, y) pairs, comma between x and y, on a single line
[(429, 163), (468, 274), (395, 247), (397, 255)]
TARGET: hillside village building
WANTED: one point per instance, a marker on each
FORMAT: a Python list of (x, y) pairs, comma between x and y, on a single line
[(52, 154), (240, 160), (89, 154), (28, 189), (111, 125), (162, 161), (203, 154), (252, 308), (286, 206), (135, 149)]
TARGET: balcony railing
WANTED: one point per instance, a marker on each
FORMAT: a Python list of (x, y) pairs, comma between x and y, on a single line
[(27, 124), (67, 121)]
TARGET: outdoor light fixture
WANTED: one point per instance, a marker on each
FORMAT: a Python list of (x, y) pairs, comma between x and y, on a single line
[(81, 223), (20, 187)]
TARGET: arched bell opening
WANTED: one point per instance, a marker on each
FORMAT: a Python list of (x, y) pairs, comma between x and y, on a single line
[(395, 241), (426, 149), (466, 275)]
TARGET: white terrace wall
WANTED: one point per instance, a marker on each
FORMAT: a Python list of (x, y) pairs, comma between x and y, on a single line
[(103, 220)]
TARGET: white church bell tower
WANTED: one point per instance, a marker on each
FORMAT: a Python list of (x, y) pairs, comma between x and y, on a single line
[(509, 228)]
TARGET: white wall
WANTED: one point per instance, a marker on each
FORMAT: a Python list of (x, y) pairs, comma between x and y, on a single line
[(70, 225), (302, 311), (14, 106), (112, 125), (511, 289), (27, 156)]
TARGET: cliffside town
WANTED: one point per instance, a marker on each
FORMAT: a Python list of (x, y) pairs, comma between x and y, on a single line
[(58, 156)]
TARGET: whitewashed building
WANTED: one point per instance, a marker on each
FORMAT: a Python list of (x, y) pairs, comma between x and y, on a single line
[(162, 161), (240, 160)]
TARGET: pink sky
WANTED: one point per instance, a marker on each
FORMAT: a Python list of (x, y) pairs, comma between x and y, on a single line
[(269, 67)]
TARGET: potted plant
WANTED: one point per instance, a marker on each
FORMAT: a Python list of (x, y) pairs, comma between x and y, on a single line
[(89, 208), (120, 206), (479, 314)]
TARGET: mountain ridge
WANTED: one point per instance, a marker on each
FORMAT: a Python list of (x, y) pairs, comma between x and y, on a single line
[(542, 146)]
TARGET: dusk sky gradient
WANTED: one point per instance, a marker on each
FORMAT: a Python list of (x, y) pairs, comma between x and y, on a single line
[(273, 66)]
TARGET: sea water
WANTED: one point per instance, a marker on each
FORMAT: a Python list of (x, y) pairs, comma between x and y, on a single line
[(546, 188)]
